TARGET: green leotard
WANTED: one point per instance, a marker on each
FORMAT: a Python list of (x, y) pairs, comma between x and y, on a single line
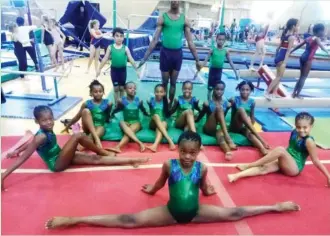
[(185, 105), (98, 111), (49, 150), (131, 110), (212, 107), (157, 108), (184, 191), (297, 149), (218, 58), (173, 32), (247, 105), (118, 57)]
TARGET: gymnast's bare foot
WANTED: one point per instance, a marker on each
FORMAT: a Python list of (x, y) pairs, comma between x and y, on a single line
[(242, 167), (138, 161), (287, 206), (152, 148), (57, 222), (229, 156)]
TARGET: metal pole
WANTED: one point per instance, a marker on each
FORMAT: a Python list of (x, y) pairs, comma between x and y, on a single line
[(222, 16), (114, 13), (28, 12)]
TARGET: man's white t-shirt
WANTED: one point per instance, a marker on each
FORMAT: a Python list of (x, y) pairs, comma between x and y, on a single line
[(23, 35)]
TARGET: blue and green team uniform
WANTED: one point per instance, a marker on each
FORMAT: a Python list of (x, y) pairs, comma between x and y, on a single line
[(131, 110), (98, 111), (184, 105), (298, 150), (184, 191), (239, 103), (157, 108), (212, 107), (49, 151)]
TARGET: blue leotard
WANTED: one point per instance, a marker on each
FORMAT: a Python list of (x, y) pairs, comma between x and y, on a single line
[(280, 56)]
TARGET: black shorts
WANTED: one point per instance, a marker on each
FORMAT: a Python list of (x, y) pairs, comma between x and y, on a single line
[(214, 77), (170, 59), (118, 76)]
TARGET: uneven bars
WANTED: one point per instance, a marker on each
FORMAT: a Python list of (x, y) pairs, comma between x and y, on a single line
[(33, 73)]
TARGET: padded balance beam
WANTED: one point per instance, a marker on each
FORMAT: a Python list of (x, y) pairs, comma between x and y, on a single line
[(293, 102)]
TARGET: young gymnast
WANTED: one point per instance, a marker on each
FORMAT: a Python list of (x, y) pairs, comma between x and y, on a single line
[(289, 161), (118, 53), (185, 106), (217, 56), (159, 110), (215, 125), (94, 113), (57, 159), (282, 55), (260, 47), (306, 59), (47, 38), (58, 37), (242, 116), (96, 37), (131, 106), (186, 177)]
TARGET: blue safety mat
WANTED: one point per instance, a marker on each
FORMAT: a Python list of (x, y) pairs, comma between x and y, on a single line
[(187, 73), (5, 62), (24, 107), (316, 112), (150, 23), (270, 121)]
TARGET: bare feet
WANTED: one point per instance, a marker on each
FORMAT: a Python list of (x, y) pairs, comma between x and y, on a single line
[(135, 163), (57, 222), (228, 156), (142, 147), (171, 146), (114, 149), (287, 206), (231, 178), (152, 148), (242, 167)]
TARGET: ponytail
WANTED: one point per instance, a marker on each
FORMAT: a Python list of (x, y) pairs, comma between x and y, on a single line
[(289, 25)]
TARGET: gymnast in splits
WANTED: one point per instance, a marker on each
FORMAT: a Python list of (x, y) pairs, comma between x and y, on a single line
[(185, 177)]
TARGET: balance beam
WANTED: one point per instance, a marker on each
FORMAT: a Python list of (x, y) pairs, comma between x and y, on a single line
[(288, 74), (292, 102)]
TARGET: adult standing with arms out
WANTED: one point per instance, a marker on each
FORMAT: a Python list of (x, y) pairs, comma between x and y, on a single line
[(173, 25)]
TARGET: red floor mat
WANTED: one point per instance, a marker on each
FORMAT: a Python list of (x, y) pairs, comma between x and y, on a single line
[(33, 198)]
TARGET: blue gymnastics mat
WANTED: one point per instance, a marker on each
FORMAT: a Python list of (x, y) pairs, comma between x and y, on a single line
[(23, 108)]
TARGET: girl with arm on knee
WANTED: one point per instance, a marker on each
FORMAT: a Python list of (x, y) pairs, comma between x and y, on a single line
[(185, 106), (58, 159), (282, 55), (94, 113), (312, 44), (242, 117), (290, 161), (131, 106), (215, 124), (186, 177), (159, 111)]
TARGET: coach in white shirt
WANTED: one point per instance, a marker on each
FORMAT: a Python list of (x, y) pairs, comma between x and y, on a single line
[(22, 36)]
